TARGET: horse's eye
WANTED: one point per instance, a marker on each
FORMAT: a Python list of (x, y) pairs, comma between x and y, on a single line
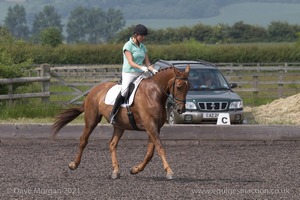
[(179, 84)]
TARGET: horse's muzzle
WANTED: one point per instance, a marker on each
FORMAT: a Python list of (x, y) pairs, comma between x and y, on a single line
[(181, 110)]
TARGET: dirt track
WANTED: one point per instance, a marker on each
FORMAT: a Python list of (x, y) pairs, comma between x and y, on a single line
[(37, 169)]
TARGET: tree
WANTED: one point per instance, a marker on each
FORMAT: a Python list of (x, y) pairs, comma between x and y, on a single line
[(46, 19), (201, 32), (16, 23), (219, 34), (123, 35), (51, 36), (76, 27), (5, 37), (114, 22), (93, 25), (282, 31), (9, 66)]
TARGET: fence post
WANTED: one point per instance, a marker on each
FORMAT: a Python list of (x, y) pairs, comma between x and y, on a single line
[(45, 72), (255, 86), (285, 67), (280, 84), (258, 67), (10, 92)]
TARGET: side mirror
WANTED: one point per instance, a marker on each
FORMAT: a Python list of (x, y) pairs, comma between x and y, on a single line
[(233, 85)]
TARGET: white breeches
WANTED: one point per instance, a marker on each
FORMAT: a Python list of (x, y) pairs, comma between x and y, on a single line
[(127, 78)]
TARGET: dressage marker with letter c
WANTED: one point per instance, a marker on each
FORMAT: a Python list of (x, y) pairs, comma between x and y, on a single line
[(223, 119)]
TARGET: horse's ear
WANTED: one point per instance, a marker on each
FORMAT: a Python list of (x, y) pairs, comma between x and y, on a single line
[(187, 69), (177, 72)]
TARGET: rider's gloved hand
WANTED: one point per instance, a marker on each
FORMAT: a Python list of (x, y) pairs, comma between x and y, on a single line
[(154, 71), (145, 69)]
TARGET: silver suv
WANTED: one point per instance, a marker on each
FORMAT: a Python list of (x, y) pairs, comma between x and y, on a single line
[(209, 95)]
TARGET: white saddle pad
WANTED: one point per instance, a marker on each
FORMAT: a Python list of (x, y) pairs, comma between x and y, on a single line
[(113, 92)]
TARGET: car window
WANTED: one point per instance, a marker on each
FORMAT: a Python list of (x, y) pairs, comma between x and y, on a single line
[(203, 79)]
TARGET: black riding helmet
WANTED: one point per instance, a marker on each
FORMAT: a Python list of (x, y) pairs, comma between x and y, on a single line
[(140, 29)]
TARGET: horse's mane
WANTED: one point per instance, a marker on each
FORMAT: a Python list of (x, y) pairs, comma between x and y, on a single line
[(167, 68), (164, 69)]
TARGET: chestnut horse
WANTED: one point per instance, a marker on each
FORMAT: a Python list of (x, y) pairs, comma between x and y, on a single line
[(148, 109)]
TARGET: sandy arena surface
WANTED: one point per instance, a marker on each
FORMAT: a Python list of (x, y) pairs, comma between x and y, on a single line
[(37, 169)]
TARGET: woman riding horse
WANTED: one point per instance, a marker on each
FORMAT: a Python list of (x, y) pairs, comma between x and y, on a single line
[(148, 109), (134, 57)]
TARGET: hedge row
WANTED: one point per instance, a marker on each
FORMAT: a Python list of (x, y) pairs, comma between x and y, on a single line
[(112, 53)]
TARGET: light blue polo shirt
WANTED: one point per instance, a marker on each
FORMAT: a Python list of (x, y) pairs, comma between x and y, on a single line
[(138, 54)]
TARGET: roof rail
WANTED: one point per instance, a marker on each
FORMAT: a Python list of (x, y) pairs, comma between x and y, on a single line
[(166, 62), (206, 62), (169, 63)]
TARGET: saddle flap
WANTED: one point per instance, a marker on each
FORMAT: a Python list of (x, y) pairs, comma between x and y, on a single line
[(113, 92)]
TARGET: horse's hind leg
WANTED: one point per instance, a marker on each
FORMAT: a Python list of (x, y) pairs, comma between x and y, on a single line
[(91, 122), (113, 149), (149, 154)]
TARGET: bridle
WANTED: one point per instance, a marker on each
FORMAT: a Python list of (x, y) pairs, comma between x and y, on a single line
[(174, 99), (171, 96)]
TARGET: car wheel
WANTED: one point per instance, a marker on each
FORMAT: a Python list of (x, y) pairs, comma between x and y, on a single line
[(171, 116), (241, 122), (238, 122)]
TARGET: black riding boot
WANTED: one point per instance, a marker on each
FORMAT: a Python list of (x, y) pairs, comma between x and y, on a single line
[(115, 109)]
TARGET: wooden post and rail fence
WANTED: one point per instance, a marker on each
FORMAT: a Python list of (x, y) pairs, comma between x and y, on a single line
[(274, 79), (44, 78)]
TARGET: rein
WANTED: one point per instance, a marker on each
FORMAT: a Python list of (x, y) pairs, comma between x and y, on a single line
[(172, 96)]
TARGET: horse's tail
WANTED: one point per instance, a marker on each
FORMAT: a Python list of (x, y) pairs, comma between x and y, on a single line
[(65, 117)]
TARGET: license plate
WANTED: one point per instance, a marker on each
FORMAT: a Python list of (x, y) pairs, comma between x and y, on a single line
[(211, 115)]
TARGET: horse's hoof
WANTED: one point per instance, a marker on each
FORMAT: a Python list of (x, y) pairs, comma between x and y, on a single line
[(134, 170), (170, 176), (72, 166), (115, 175)]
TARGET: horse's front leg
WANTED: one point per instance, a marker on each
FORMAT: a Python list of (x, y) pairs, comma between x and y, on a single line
[(113, 150), (149, 154), (154, 136)]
